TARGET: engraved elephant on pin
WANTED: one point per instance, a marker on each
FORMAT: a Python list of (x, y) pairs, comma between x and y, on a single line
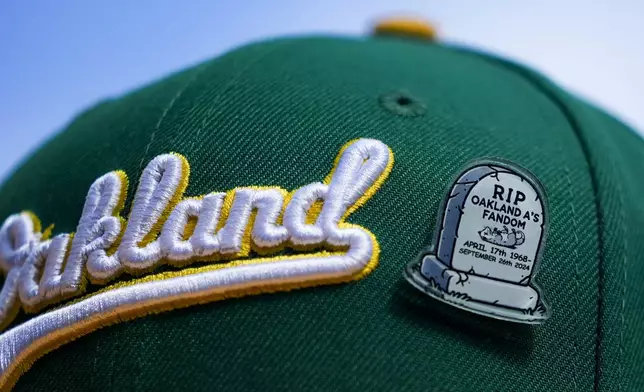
[(507, 238)]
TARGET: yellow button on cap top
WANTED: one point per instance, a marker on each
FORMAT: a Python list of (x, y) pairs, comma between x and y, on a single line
[(404, 27)]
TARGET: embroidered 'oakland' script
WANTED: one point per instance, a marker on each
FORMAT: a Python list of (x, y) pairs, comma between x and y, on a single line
[(164, 228)]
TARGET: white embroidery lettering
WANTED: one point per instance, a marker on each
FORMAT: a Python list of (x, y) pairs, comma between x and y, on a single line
[(17, 238), (163, 228), (204, 240), (159, 183)]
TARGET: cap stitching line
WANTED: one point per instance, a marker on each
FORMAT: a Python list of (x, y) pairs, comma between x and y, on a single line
[(572, 121), (165, 112), (622, 218), (575, 226), (231, 83), (156, 128), (576, 127), (624, 264)]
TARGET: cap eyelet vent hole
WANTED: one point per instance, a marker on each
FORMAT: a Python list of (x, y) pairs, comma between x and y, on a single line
[(403, 104)]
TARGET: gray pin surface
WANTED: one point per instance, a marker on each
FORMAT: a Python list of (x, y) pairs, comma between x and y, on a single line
[(490, 237)]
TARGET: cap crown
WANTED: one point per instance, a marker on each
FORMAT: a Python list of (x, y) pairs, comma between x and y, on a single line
[(277, 113)]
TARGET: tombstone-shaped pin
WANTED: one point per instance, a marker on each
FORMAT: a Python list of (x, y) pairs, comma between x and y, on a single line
[(490, 236)]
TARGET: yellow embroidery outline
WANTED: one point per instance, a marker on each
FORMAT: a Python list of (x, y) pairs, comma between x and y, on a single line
[(117, 213), (46, 344)]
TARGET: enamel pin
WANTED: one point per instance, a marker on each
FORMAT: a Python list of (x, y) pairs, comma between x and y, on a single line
[(490, 236)]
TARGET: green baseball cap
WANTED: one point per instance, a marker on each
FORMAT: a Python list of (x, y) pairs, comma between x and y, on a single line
[(254, 223)]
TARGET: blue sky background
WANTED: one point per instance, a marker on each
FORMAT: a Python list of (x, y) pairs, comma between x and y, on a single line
[(58, 57)]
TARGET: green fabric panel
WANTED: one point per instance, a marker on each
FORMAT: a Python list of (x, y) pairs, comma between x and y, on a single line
[(277, 113), (617, 159), (616, 156)]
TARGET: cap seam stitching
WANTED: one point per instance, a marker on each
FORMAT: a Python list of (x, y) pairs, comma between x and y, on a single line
[(165, 111), (576, 253), (572, 121), (574, 124), (235, 78)]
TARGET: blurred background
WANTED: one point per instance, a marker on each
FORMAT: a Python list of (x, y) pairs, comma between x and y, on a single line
[(59, 57)]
